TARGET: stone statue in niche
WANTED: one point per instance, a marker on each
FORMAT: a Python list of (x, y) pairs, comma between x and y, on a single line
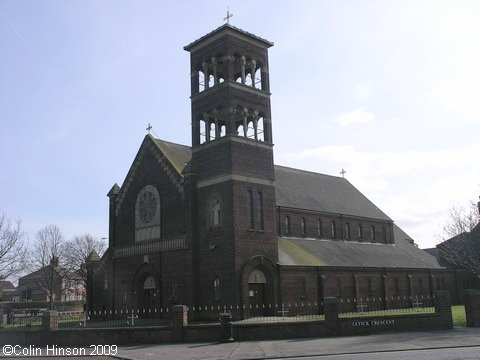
[(216, 213)]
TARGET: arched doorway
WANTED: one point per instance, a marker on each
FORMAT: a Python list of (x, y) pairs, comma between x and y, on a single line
[(257, 292), (148, 293)]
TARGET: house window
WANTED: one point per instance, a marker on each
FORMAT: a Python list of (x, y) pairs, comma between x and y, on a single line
[(250, 209), (216, 289), (304, 226), (347, 231), (260, 211), (105, 283), (319, 228), (334, 230), (338, 288), (372, 233), (360, 231), (287, 224)]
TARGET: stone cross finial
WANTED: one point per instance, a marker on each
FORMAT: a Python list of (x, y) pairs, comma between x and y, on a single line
[(343, 172), (227, 18), (149, 127)]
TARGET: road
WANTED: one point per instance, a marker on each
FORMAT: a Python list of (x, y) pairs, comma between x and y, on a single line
[(463, 353)]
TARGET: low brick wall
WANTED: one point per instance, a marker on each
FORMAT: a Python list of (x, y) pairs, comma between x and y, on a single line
[(472, 307), (242, 331)]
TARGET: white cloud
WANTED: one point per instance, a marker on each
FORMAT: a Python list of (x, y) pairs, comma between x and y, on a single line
[(413, 187), (357, 116)]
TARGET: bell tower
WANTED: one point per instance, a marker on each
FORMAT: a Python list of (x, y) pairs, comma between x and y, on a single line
[(232, 164)]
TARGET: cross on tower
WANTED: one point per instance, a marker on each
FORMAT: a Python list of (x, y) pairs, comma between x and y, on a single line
[(227, 18), (149, 127), (343, 172)]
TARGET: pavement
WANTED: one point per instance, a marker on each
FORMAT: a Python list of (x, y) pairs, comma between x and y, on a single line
[(399, 341), (459, 337)]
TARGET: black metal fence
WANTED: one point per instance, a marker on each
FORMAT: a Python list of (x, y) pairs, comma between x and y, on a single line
[(390, 305), (294, 311)]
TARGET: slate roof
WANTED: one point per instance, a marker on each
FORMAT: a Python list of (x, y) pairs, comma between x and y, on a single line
[(337, 253), (178, 155), (298, 189), (324, 193), (226, 26)]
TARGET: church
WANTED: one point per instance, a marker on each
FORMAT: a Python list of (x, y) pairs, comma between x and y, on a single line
[(218, 222)]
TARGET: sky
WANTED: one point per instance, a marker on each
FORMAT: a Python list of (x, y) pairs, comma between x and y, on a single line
[(387, 90)]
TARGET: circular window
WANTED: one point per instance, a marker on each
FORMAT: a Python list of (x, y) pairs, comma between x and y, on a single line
[(147, 207)]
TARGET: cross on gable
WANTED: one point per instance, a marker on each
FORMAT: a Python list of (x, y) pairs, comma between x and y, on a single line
[(343, 172), (149, 127), (227, 18)]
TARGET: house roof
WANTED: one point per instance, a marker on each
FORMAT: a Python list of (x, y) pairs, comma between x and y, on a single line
[(338, 253), (324, 193), (226, 27), (6, 285)]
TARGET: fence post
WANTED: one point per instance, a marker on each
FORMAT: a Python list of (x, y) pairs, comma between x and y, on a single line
[(331, 309), (50, 320), (472, 307), (179, 321), (443, 307)]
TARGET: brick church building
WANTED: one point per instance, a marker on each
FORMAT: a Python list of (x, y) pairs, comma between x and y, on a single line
[(219, 223)]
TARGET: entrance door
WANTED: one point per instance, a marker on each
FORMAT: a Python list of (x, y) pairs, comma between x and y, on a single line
[(149, 289), (256, 293), (257, 297)]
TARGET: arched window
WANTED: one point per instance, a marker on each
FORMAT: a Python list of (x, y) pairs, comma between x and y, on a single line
[(303, 287), (240, 130), (147, 214), (287, 225), (360, 231), (201, 81), (248, 80), (203, 132), (250, 130), (260, 135), (251, 222), (212, 131), (303, 225), (319, 228), (338, 288), (216, 289), (347, 231), (258, 79), (334, 230), (372, 233), (369, 287), (211, 81)]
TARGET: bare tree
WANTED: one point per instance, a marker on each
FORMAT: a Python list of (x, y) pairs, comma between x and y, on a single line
[(461, 220), (461, 240), (46, 258), (12, 247), (76, 253)]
